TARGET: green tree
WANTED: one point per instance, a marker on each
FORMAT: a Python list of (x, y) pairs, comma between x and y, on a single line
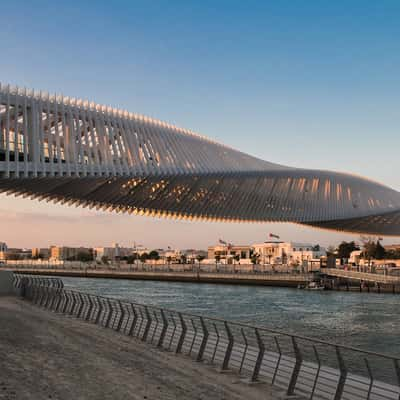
[(217, 258), (369, 247), (284, 257), (345, 248), (13, 256), (393, 254), (153, 255), (84, 257), (144, 257), (255, 258), (331, 251), (183, 259), (200, 258), (131, 259), (379, 251), (104, 259)]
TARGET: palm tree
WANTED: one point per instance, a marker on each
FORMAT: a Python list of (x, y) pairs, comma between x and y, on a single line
[(217, 260), (169, 259), (236, 258), (254, 260)]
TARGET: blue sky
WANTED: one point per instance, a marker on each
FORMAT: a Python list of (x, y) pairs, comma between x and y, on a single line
[(312, 84)]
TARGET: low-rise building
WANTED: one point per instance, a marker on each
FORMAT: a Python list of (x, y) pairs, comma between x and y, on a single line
[(355, 257), (112, 253), (290, 253), (193, 255), (64, 253), (40, 252), (3, 250), (171, 256), (15, 254), (230, 254)]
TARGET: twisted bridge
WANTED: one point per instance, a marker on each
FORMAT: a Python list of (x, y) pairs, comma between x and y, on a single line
[(76, 152)]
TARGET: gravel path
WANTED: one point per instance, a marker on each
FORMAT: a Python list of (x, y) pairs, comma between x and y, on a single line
[(44, 355)]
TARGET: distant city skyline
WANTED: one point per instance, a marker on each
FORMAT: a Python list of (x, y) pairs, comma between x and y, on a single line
[(312, 84)]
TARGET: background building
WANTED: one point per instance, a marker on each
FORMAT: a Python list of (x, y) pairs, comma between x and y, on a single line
[(63, 253), (43, 253), (230, 254), (15, 254), (290, 253), (112, 253)]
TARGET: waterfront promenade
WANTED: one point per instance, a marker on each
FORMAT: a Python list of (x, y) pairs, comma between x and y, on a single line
[(295, 366), (196, 276), (48, 356)]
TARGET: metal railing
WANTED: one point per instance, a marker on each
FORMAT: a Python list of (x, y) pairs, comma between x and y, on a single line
[(22, 281), (150, 267), (303, 366), (364, 276)]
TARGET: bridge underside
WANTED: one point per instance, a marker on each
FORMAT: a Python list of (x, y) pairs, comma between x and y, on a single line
[(251, 198)]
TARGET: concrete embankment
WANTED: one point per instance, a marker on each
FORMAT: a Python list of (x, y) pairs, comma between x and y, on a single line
[(49, 356), (286, 280)]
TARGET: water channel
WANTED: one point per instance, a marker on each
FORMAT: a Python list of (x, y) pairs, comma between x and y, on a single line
[(366, 320)]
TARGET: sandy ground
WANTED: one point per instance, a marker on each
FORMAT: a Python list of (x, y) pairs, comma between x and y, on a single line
[(44, 355)]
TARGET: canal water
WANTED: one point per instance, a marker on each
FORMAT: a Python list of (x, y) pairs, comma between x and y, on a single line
[(366, 320)]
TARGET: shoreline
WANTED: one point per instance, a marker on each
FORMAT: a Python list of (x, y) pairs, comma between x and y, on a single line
[(248, 279), (281, 280)]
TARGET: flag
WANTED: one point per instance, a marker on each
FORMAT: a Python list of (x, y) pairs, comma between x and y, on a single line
[(272, 235), (222, 241)]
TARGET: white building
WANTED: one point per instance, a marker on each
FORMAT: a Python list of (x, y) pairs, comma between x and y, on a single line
[(170, 256), (112, 253), (290, 253), (230, 254), (355, 257)]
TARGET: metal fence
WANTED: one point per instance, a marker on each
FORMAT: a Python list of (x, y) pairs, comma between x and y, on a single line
[(151, 267), (362, 276), (311, 368)]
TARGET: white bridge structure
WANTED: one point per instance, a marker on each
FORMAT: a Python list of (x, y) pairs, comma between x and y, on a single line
[(80, 153)]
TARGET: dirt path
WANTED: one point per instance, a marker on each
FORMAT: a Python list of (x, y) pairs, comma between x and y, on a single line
[(49, 356)]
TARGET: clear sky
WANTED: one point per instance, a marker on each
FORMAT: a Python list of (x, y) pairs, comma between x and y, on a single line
[(304, 83)]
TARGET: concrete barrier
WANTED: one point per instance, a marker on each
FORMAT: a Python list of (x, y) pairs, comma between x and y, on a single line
[(6, 283)]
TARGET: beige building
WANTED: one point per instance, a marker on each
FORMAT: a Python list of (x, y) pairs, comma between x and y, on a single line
[(15, 254), (290, 253), (38, 252), (229, 253), (112, 253), (3, 251), (64, 253)]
